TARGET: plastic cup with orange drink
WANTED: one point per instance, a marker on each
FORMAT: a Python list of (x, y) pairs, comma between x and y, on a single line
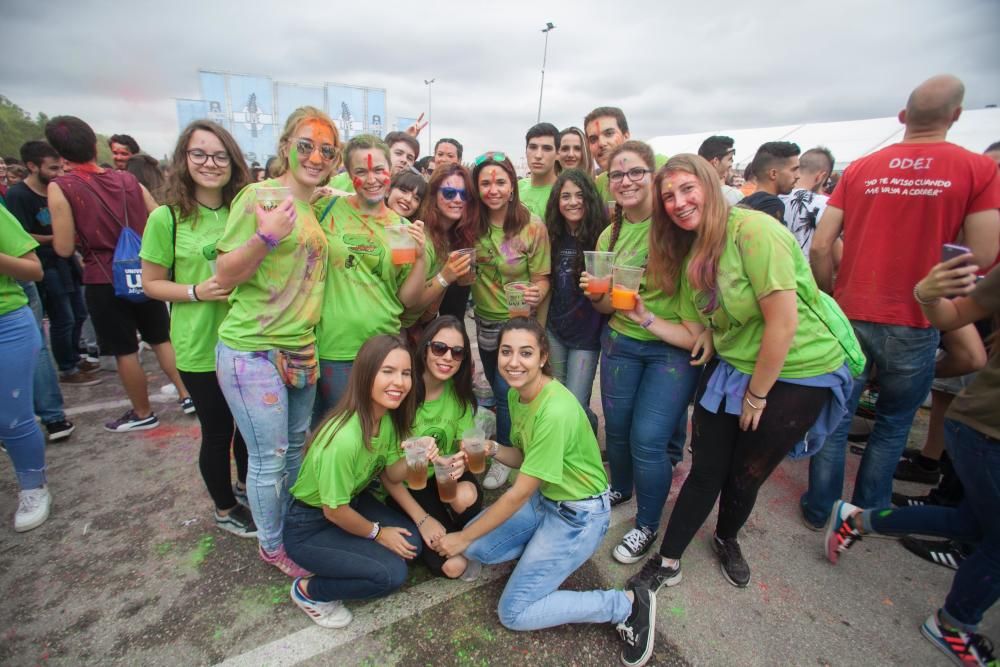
[(516, 305), (625, 286), (598, 265), (401, 244)]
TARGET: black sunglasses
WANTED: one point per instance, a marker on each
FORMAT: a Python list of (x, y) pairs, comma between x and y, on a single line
[(438, 349)]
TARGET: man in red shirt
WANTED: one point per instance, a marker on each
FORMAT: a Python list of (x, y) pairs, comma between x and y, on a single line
[(896, 208)]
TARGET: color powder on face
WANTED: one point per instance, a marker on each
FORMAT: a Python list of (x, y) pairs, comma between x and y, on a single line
[(293, 157), (358, 182), (369, 162), (321, 132)]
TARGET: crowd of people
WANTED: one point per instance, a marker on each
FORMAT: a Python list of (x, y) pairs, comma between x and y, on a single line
[(317, 328)]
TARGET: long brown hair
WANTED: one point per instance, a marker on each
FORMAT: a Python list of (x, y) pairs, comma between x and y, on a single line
[(180, 186), (669, 245), (357, 399), (645, 152), (462, 380), (518, 215), (446, 235)]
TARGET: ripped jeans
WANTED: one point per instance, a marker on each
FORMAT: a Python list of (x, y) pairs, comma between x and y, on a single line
[(273, 419)]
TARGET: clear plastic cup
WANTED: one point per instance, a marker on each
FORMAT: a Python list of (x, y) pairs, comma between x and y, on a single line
[(269, 198), (447, 487), (598, 265), (401, 244), (474, 445), (469, 277), (625, 286), (415, 450), (516, 305)]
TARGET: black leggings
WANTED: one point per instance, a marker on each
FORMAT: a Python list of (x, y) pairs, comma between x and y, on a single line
[(218, 431), (428, 499), (736, 462)]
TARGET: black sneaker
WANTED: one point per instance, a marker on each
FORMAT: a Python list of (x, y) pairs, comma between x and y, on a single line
[(949, 553), (962, 648), (636, 543), (734, 567), (911, 471), (60, 430), (187, 405), (617, 498), (131, 422), (241, 495), (903, 500), (654, 575), (238, 522), (638, 630)]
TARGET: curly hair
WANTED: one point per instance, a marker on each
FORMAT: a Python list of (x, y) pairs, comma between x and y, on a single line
[(595, 217)]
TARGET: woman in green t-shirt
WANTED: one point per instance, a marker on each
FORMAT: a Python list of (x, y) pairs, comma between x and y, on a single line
[(178, 265), (274, 260), (557, 511), (356, 547), (779, 373), (445, 410), (512, 246)]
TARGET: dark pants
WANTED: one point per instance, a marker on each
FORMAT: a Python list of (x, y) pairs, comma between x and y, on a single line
[(736, 463), (345, 566), (63, 299), (218, 432), (490, 359)]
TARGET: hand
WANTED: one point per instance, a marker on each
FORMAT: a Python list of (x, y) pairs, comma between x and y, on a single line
[(459, 264), (532, 295), (750, 416), (417, 126), (394, 539), (452, 544), (416, 232), (319, 193), (432, 451), (431, 531), (211, 290), (458, 462), (956, 277), (278, 222), (639, 314), (584, 282), (705, 345)]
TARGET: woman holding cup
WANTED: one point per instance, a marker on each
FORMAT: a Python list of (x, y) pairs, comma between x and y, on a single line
[(274, 261), (178, 265), (445, 408), (512, 247), (646, 383)]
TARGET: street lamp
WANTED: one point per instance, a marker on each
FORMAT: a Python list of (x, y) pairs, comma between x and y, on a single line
[(548, 27), (430, 116)]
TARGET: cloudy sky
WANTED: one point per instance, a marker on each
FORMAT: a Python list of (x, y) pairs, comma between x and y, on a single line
[(674, 67)]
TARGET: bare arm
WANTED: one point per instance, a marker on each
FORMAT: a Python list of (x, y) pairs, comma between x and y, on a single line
[(781, 319), (156, 283), (981, 233), (681, 335), (63, 228), (505, 507), (350, 521), (25, 267), (148, 199), (963, 352), (824, 244)]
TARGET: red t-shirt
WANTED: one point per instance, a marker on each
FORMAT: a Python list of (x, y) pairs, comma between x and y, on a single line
[(901, 204)]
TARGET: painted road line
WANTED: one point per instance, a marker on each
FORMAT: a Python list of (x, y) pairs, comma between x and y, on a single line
[(314, 640)]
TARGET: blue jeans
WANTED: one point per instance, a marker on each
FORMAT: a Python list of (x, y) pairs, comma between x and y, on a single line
[(904, 359), (67, 313), (576, 369), (48, 396), (273, 419), (333, 377), (347, 567), (646, 387), (500, 389), (976, 587), (552, 539), (20, 342)]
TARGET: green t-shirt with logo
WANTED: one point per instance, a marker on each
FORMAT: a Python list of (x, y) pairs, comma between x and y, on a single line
[(194, 326), (279, 305), (14, 241), (604, 189), (338, 466), (535, 197), (362, 285), (558, 443), (445, 420), (342, 182), (632, 249), (434, 265), (761, 257), (500, 261)]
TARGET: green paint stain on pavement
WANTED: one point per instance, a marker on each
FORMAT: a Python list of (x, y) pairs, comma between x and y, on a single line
[(678, 612), (206, 545), (163, 548)]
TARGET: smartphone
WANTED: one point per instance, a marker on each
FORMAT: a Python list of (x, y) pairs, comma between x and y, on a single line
[(952, 250)]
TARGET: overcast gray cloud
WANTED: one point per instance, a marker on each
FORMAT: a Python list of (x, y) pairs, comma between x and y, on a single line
[(673, 67)]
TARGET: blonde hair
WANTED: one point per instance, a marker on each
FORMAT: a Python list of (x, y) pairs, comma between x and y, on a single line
[(295, 119)]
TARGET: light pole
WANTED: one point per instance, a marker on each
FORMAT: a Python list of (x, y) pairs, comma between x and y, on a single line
[(548, 27), (430, 117)]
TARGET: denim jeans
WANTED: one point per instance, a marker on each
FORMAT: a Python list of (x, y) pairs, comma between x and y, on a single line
[(67, 313), (347, 567), (646, 387), (576, 370), (552, 539), (500, 389), (976, 586), (20, 342), (333, 377), (904, 359), (48, 395), (273, 419)]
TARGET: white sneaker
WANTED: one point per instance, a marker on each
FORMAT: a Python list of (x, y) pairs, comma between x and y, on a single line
[(496, 476), (32, 509), (331, 614)]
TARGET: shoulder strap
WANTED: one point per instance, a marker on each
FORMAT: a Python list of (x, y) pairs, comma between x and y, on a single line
[(173, 219), (106, 208), (327, 208)]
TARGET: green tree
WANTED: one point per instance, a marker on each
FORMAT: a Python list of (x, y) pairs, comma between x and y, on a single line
[(17, 127)]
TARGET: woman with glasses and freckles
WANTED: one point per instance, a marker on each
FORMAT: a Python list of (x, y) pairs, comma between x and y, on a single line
[(178, 265), (274, 261)]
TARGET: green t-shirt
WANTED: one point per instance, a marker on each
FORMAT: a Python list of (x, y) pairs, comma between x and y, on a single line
[(433, 264), (342, 182), (279, 305), (536, 198), (632, 249), (14, 241), (604, 189), (558, 443), (760, 257), (194, 326), (500, 261), (339, 467), (445, 420), (362, 282)]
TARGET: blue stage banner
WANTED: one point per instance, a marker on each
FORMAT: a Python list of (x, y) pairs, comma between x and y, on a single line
[(189, 111), (214, 93), (403, 123), (377, 120), (347, 108), (253, 117), (290, 97)]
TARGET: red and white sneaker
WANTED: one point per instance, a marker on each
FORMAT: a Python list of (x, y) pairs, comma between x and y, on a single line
[(840, 534), (966, 649), (280, 560), (331, 614)]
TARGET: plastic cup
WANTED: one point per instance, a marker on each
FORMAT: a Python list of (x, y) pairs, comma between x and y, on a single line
[(598, 265), (447, 487), (474, 444), (515, 299), (625, 286), (401, 244), (269, 198), (415, 450)]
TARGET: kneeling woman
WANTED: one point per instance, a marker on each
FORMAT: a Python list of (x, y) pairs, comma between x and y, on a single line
[(356, 546), (556, 513), (445, 407)]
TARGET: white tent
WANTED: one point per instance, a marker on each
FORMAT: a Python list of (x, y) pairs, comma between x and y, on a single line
[(849, 140)]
